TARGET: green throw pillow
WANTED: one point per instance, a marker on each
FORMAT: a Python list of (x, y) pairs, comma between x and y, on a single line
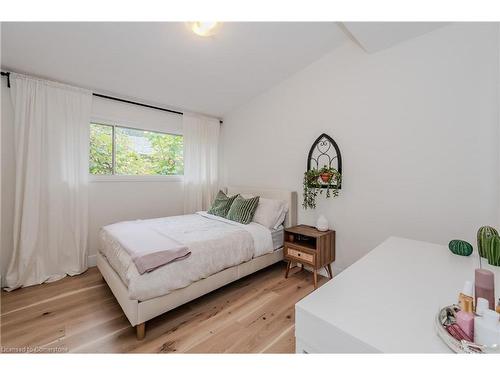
[(242, 209), (221, 204)]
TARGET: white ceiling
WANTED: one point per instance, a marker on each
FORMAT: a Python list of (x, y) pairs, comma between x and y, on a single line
[(376, 36), (167, 65)]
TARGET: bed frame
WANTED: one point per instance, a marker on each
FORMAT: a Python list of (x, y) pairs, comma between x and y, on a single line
[(139, 312)]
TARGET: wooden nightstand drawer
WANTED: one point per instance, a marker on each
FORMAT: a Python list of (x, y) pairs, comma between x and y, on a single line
[(300, 255)]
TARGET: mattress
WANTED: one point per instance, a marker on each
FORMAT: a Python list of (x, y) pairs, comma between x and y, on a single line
[(277, 238), (215, 244)]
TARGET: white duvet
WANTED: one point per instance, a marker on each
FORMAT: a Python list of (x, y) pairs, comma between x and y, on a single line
[(215, 244)]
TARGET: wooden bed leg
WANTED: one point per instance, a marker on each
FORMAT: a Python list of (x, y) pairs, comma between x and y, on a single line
[(140, 331)]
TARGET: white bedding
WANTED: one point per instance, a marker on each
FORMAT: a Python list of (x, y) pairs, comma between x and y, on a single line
[(215, 244)]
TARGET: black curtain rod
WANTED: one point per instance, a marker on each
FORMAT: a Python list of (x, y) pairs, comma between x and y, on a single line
[(136, 103), (7, 74)]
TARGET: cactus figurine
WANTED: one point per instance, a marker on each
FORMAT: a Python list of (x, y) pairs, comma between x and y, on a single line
[(460, 247), (484, 236), (493, 254)]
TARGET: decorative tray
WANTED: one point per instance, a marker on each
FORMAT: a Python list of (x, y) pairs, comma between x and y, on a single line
[(445, 318)]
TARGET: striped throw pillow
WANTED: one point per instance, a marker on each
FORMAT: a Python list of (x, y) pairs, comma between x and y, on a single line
[(221, 204), (242, 209)]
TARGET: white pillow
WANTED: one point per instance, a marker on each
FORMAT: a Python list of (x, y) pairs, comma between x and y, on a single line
[(270, 212), (282, 216)]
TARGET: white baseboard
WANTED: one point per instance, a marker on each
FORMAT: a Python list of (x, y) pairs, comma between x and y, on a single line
[(92, 260), (336, 270)]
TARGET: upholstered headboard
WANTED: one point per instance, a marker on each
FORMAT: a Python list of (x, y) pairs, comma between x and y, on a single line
[(288, 196)]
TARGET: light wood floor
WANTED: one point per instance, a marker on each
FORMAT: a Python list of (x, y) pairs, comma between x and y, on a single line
[(80, 314)]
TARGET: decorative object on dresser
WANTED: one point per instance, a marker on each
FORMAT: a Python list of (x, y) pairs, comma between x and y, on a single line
[(484, 236), (493, 254), (322, 223), (460, 247), (324, 170), (307, 245)]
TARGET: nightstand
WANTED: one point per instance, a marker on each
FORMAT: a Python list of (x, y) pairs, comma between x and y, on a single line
[(307, 245)]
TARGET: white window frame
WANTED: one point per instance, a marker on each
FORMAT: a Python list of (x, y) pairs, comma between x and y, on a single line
[(129, 178)]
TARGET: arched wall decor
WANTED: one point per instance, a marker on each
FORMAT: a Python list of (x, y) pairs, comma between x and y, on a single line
[(325, 152)]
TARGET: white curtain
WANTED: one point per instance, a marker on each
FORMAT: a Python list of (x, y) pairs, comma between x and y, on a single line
[(51, 203), (201, 141)]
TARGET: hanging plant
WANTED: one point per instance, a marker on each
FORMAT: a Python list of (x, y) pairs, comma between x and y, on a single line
[(318, 180)]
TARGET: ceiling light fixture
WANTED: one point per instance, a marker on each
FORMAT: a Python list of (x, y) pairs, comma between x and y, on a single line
[(204, 28)]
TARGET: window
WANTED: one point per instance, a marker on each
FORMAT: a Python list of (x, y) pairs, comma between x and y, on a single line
[(116, 150), (101, 149)]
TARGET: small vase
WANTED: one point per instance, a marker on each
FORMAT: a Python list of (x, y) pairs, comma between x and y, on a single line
[(322, 223)]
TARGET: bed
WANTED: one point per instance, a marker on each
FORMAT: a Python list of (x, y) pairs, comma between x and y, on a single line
[(221, 252)]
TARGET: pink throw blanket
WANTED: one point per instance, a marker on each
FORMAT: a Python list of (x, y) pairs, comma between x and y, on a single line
[(148, 247)]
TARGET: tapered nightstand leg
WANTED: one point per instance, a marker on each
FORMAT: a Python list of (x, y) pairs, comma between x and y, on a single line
[(315, 279), (329, 269), (287, 268)]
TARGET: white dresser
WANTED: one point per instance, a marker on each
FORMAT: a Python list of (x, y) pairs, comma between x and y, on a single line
[(387, 301)]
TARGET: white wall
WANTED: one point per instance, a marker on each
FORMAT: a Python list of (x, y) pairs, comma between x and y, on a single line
[(109, 201), (417, 125)]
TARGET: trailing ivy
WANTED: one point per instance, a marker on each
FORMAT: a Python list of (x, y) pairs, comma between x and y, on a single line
[(318, 180)]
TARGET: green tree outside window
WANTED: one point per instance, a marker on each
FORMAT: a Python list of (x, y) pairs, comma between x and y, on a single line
[(137, 152)]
